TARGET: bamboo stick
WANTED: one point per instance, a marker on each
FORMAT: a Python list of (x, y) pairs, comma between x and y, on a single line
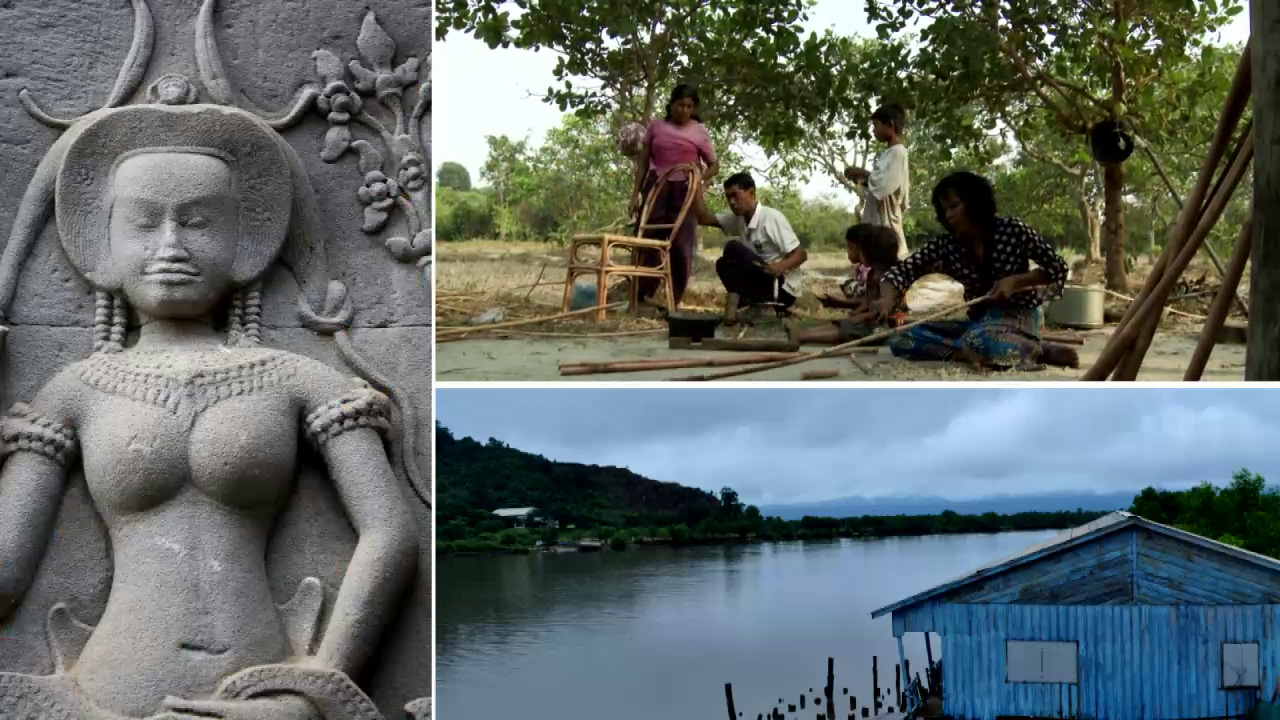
[(459, 330), (1177, 200), (1222, 302), (1061, 339), (824, 373), (622, 366), (1172, 311), (1233, 108), (1223, 191), (1148, 316), (842, 348)]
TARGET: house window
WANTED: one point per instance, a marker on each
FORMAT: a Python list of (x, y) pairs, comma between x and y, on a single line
[(1042, 662), (1240, 665)]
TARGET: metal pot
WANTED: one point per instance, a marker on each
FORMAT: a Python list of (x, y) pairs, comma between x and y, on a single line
[(1079, 308), (694, 326)]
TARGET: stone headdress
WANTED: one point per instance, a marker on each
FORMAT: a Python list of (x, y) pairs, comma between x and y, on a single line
[(278, 209), (266, 186)]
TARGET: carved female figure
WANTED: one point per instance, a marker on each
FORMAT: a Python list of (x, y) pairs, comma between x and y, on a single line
[(188, 438)]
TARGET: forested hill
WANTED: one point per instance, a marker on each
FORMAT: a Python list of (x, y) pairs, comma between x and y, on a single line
[(474, 478)]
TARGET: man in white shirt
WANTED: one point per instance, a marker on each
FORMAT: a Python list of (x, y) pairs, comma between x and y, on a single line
[(761, 262), (885, 189)]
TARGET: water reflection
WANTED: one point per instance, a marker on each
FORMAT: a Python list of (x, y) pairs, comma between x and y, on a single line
[(656, 632)]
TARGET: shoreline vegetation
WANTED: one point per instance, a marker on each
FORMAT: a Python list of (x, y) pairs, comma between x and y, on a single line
[(750, 529), (599, 508)]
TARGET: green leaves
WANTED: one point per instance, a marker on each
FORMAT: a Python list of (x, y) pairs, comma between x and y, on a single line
[(753, 63)]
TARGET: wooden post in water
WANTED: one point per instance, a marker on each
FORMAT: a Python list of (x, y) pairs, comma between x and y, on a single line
[(928, 653), (897, 685), (875, 685), (728, 698), (1262, 359), (831, 687), (903, 680)]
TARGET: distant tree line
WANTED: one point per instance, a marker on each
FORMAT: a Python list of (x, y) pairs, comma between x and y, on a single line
[(1245, 513), (622, 508)]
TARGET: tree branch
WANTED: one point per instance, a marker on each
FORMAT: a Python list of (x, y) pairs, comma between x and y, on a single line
[(1017, 132)]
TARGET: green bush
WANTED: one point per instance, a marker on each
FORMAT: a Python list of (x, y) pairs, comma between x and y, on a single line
[(618, 542), (679, 533), (464, 214)]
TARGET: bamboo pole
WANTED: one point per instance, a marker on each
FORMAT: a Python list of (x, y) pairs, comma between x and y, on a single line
[(1233, 108), (844, 347), (1173, 311), (1177, 200), (1224, 189), (622, 366), (1222, 302), (1262, 357), (1148, 317), (451, 331), (825, 373)]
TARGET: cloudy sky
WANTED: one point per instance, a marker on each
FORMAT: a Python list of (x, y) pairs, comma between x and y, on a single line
[(812, 444), (479, 92)]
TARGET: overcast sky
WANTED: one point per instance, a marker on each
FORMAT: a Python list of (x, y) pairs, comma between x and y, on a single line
[(481, 92), (812, 444)]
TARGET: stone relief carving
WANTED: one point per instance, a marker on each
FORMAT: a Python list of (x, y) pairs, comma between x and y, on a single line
[(384, 192), (173, 211)]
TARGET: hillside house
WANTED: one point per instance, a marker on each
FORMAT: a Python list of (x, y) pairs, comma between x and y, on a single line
[(1122, 618), (522, 517)]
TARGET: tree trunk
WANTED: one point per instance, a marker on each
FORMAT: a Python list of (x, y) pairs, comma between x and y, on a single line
[(1113, 226), (1093, 253), (650, 102), (1262, 361)]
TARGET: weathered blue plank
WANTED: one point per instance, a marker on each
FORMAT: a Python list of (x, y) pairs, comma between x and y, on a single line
[(1099, 563), (1172, 571), (1076, 571), (1135, 661)]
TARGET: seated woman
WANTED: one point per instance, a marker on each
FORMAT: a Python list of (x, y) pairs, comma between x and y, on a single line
[(990, 256), (875, 249)]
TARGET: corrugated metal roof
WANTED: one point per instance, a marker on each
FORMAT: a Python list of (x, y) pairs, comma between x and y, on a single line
[(513, 512), (1101, 527)]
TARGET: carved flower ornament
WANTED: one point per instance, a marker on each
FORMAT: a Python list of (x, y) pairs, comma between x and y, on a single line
[(395, 180), (413, 173), (338, 102)]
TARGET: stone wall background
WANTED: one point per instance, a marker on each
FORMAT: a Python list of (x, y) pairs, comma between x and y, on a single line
[(67, 53)]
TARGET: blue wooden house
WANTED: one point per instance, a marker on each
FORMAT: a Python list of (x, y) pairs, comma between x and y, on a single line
[(1120, 619)]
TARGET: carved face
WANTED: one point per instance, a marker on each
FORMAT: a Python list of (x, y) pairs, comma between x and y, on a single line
[(174, 232)]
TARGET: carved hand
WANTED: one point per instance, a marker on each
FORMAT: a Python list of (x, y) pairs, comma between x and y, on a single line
[(281, 707)]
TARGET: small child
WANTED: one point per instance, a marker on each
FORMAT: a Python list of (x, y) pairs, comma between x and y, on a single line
[(854, 286), (874, 247)]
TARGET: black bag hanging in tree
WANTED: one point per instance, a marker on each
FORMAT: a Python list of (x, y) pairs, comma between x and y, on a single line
[(1109, 144)]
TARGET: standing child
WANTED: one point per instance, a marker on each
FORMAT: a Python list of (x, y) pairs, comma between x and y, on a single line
[(885, 189), (875, 246)]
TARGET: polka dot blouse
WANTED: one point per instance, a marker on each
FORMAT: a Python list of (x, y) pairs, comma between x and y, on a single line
[(1014, 248)]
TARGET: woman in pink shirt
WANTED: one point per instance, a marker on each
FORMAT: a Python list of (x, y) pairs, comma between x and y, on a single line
[(676, 139)]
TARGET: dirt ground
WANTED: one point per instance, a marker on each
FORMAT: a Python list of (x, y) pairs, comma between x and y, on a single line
[(523, 280)]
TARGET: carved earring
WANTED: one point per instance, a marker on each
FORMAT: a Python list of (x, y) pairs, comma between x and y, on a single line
[(110, 318), (244, 325)]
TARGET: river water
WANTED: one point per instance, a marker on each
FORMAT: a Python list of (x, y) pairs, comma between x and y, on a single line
[(655, 633)]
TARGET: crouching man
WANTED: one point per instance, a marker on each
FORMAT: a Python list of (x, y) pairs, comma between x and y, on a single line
[(761, 262)]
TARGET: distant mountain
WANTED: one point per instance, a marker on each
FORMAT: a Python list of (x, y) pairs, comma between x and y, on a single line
[(473, 479), (1002, 504)]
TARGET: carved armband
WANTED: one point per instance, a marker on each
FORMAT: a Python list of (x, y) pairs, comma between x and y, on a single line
[(363, 407), (25, 430)]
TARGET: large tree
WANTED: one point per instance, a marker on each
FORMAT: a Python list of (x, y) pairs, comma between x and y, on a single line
[(1077, 61), (619, 58)]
